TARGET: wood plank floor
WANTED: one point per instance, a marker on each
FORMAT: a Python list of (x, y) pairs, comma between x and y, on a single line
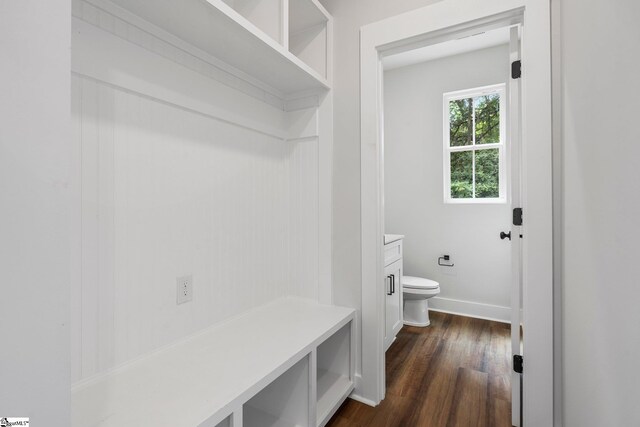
[(453, 373)]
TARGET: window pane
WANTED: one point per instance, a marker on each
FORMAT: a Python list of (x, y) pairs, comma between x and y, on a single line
[(462, 175), (487, 173), (460, 122), (487, 118)]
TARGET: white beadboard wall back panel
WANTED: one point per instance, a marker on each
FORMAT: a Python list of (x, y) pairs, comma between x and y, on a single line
[(181, 173), (303, 233)]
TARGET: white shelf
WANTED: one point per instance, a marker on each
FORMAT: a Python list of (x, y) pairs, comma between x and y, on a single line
[(333, 389), (309, 34), (264, 14), (256, 417), (216, 27), (225, 423), (304, 14), (284, 402), (204, 377), (334, 381)]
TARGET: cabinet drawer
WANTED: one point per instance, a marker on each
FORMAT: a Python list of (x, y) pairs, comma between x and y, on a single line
[(392, 252)]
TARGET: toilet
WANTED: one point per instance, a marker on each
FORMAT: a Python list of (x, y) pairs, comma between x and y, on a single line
[(415, 293)]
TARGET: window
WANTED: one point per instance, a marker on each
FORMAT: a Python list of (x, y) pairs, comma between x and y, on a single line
[(474, 145)]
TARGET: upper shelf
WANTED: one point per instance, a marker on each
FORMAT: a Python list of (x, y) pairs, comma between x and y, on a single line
[(246, 37)]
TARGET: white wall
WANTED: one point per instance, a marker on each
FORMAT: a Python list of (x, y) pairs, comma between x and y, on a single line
[(601, 158), (478, 284), (34, 200), (177, 174), (349, 16)]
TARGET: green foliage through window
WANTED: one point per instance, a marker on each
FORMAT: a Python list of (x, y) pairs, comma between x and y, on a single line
[(487, 109), (487, 173), (473, 122), (461, 122), (462, 174)]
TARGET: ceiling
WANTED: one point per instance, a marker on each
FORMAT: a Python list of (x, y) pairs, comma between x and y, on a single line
[(449, 48)]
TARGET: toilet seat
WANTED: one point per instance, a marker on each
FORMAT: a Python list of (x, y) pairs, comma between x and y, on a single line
[(419, 283)]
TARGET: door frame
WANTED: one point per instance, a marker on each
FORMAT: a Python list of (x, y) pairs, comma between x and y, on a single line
[(429, 25)]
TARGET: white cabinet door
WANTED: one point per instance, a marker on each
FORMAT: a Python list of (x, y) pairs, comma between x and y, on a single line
[(393, 299)]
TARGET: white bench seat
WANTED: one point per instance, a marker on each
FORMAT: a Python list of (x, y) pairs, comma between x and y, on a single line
[(202, 380)]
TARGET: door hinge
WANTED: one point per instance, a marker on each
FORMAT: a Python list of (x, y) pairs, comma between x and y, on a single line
[(517, 363), (517, 216), (516, 69)]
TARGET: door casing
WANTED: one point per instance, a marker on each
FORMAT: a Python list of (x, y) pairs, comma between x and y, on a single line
[(432, 24)]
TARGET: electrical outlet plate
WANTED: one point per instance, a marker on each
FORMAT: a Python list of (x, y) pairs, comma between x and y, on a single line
[(184, 288)]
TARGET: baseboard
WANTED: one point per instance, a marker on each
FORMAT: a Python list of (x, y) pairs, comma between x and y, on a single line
[(357, 379), (471, 309), (361, 399)]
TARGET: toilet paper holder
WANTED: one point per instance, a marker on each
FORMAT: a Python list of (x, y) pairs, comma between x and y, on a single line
[(446, 259)]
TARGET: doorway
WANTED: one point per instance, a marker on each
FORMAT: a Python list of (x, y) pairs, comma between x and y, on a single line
[(451, 174), (428, 26)]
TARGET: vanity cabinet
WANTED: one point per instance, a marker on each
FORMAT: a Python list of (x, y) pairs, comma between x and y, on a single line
[(393, 289)]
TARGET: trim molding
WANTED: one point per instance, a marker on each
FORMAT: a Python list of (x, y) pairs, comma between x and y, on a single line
[(358, 398), (471, 309), (428, 25), (86, 64)]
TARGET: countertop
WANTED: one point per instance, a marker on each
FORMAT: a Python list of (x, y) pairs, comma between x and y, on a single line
[(390, 238)]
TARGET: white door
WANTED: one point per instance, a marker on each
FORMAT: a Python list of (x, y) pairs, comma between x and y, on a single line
[(516, 226)]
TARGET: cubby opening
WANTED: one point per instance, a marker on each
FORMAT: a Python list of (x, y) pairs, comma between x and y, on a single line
[(284, 402), (225, 423), (334, 380), (308, 34), (264, 14)]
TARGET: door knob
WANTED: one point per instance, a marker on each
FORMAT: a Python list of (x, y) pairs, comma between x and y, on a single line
[(504, 235)]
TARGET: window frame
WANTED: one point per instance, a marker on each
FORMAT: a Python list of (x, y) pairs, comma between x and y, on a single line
[(499, 89)]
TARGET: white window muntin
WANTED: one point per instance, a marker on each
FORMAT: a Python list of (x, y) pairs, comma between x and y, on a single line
[(499, 89)]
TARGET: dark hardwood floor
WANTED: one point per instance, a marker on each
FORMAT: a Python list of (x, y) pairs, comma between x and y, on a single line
[(455, 372)]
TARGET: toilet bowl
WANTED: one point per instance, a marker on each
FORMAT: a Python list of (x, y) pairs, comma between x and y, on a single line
[(415, 293)]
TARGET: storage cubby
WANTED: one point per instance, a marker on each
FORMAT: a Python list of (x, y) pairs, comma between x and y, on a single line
[(225, 423), (284, 402), (334, 381), (266, 15), (220, 28), (308, 34), (267, 377)]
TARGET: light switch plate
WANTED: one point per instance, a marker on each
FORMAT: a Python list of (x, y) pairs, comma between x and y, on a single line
[(184, 288)]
